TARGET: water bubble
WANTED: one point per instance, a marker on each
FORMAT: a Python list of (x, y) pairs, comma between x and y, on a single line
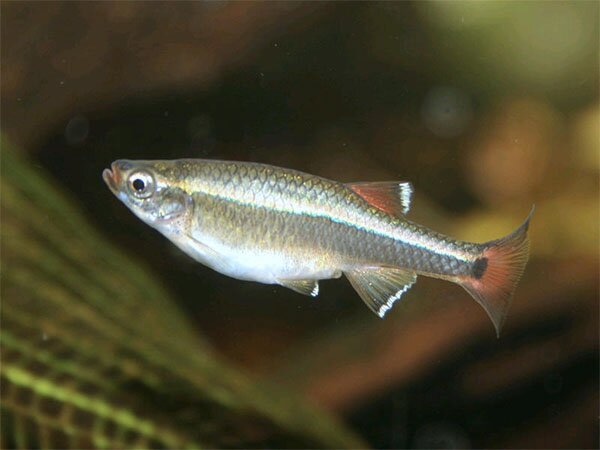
[(261, 81), (446, 111), (77, 130)]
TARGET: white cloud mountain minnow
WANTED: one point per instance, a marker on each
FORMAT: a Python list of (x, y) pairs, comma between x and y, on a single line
[(280, 226)]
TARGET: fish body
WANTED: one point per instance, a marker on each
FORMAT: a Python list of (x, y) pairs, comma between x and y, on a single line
[(280, 226)]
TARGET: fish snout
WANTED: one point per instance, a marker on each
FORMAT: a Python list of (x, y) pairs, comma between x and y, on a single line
[(113, 176), (109, 178)]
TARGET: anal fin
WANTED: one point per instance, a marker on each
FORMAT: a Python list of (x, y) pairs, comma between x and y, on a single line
[(305, 287), (380, 287)]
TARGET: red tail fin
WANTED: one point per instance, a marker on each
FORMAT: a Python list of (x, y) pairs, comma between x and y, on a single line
[(497, 272)]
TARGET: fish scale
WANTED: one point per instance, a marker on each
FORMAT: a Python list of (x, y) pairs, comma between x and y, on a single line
[(280, 226)]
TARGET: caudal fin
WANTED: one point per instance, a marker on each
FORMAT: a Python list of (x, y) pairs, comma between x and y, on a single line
[(497, 272)]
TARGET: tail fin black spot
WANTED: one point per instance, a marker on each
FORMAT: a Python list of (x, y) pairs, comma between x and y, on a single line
[(479, 268)]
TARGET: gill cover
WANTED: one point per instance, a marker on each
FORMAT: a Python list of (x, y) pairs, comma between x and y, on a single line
[(171, 203)]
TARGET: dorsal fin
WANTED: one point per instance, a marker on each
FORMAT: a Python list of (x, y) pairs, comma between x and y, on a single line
[(393, 197)]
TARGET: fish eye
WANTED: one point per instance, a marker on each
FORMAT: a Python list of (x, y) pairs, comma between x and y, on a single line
[(141, 184)]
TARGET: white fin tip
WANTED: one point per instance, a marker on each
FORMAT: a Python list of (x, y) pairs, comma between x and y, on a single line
[(390, 302)]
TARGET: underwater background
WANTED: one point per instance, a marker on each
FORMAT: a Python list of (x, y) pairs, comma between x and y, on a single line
[(113, 338)]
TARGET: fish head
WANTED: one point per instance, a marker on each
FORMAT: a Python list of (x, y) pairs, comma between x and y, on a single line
[(147, 190)]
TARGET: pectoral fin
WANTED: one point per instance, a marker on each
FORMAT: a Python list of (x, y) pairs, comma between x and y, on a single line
[(393, 197), (380, 287), (305, 287), (201, 252)]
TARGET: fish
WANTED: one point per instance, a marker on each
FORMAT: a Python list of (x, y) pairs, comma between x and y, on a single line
[(280, 226)]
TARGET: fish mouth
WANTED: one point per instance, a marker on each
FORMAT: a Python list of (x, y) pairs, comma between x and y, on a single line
[(112, 178)]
